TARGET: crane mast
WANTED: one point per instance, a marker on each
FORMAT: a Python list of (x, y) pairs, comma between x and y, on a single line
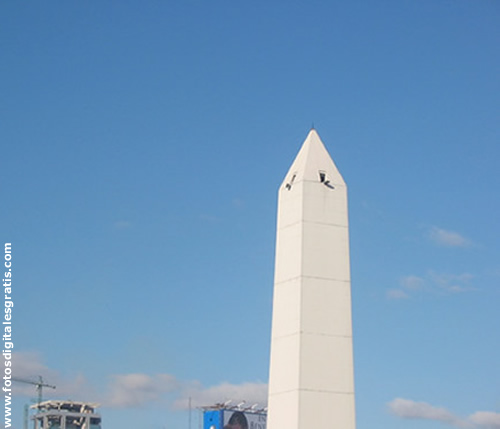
[(39, 385)]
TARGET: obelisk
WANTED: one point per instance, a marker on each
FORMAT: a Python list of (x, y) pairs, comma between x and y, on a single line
[(311, 378)]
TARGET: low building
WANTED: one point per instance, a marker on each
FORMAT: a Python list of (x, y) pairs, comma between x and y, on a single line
[(66, 415)]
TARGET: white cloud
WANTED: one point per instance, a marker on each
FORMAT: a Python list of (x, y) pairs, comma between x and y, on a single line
[(29, 367), (26, 364), (397, 294), (130, 390), (136, 390), (451, 283), (442, 237), (408, 409), (432, 283), (412, 282), (200, 396), (486, 419)]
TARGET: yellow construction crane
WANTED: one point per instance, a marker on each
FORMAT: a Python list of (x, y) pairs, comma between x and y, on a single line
[(40, 384)]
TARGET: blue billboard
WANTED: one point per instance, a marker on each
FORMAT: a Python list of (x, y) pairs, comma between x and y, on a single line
[(233, 419)]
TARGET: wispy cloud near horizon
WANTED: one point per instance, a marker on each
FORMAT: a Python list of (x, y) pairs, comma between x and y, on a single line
[(134, 390), (251, 392), (431, 282), (413, 410), (443, 237), (137, 390), (397, 294), (28, 366)]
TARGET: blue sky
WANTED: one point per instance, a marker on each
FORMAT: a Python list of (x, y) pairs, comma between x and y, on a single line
[(142, 146)]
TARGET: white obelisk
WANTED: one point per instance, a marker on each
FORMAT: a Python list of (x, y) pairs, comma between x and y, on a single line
[(311, 379)]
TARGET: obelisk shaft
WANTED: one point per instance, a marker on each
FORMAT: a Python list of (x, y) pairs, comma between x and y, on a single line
[(311, 381)]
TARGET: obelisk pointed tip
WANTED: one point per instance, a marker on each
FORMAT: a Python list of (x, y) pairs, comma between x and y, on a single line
[(313, 158), (312, 132)]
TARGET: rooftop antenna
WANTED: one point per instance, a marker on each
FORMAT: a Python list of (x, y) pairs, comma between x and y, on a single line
[(25, 416)]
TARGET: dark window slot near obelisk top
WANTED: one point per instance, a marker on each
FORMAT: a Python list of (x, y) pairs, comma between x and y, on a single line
[(288, 186), (324, 180)]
